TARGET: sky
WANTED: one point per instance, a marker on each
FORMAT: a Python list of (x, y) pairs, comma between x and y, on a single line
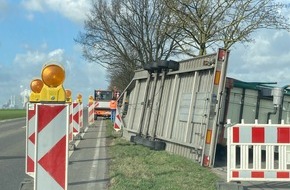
[(34, 32)]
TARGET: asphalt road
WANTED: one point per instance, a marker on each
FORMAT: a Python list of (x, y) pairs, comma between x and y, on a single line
[(12, 154), (88, 163)]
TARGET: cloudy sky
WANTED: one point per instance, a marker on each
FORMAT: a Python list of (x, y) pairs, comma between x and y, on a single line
[(34, 32)]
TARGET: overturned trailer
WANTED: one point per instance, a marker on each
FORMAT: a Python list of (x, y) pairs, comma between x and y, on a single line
[(183, 107)]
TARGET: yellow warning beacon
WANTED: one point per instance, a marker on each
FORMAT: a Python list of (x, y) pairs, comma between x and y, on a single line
[(91, 99), (79, 98), (35, 86), (53, 76), (68, 96)]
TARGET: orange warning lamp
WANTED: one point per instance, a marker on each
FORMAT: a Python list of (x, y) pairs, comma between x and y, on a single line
[(35, 86), (53, 76), (79, 98), (68, 96), (91, 99)]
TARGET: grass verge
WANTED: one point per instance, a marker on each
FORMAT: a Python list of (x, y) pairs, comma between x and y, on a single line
[(12, 113), (136, 167)]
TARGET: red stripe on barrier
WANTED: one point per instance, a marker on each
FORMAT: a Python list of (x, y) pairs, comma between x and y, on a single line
[(50, 113), (116, 126), (31, 113), (30, 164), (56, 155), (258, 135), (32, 138), (236, 134), (283, 135), (235, 173), (257, 174), (283, 175), (76, 117)]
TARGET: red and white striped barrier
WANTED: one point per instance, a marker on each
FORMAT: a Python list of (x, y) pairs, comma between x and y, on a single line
[(76, 118), (255, 143), (91, 110), (51, 147), (118, 121), (70, 126), (81, 119), (30, 139)]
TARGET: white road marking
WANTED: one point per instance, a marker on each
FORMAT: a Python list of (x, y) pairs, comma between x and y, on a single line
[(91, 186)]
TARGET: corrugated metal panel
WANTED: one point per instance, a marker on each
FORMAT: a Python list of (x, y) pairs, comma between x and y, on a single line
[(286, 110), (184, 133)]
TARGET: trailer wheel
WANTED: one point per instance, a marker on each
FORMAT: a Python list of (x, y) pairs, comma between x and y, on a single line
[(148, 143), (138, 139), (159, 145), (132, 138)]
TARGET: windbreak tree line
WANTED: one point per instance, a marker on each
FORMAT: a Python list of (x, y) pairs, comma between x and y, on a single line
[(124, 35)]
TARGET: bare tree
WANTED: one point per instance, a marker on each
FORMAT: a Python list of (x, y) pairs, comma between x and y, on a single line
[(120, 76), (207, 23), (135, 32)]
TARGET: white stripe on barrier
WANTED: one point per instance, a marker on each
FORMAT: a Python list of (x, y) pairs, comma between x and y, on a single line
[(81, 119), (76, 118), (70, 127), (91, 109)]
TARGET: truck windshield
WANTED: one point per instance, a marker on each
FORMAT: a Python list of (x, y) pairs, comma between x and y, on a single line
[(103, 95)]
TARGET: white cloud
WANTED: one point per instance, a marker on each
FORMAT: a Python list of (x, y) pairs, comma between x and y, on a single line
[(56, 54), (266, 60), (33, 5), (75, 10)]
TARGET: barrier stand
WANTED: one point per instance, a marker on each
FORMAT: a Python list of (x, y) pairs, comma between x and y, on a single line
[(35, 86), (91, 110), (118, 121), (250, 144), (52, 121), (71, 145)]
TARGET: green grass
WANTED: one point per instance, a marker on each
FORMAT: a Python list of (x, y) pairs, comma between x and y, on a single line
[(136, 167), (12, 113)]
